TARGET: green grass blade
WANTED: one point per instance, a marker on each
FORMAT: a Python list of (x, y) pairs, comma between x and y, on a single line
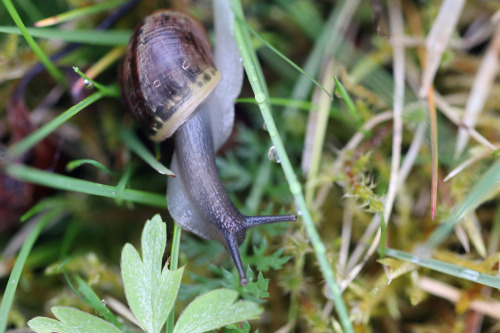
[(79, 12), (484, 188), (133, 143), (446, 268), (31, 140), (306, 15), (15, 275), (122, 183), (77, 163), (253, 70), (282, 56), (83, 36), (329, 41), (40, 206), (30, 9), (61, 182), (21, 29), (112, 91), (299, 104), (353, 110), (95, 302), (174, 263)]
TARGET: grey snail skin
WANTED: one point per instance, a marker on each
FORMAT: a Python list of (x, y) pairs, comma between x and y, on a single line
[(173, 87)]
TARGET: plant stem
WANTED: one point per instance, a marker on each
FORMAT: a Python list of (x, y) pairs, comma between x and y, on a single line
[(31, 140), (254, 72), (10, 290), (174, 263), (51, 68)]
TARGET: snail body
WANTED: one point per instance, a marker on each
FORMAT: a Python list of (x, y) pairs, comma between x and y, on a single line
[(172, 86)]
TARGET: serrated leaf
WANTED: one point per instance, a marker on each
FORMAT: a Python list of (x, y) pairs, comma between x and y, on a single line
[(71, 320), (215, 309), (258, 288), (150, 292), (264, 262)]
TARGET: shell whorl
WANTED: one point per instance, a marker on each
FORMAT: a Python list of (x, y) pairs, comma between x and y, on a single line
[(168, 72)]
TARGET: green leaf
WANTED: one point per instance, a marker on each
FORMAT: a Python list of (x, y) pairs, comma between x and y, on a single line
[(257, 289), (264, 262), (235, 328), (215, 309), (71, 320), (150, 291)]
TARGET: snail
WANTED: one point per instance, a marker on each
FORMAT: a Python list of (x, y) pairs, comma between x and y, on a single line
[(170, 83)]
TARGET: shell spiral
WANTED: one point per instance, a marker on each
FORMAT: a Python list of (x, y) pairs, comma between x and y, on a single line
[(167, 73)]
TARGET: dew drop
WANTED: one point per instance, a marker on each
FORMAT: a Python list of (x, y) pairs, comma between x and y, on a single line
[(87, 83), (415, 259), (469, 274), (273, 155), (297, 209), (264, 126), (104, 302), (260, 97)]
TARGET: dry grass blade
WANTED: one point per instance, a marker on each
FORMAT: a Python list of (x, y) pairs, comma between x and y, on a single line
[(397, 27), (438, 40), (316, 130), (451, 113), (487, 307), (480, 90)]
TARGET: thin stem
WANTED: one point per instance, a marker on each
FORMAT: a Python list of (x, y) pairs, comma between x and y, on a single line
[(65, 183), (396, 24), (51, 68), (319, 128), (10, 291), (253, 69), (434, 151), (174, 263), (78, 12), (31, 140)]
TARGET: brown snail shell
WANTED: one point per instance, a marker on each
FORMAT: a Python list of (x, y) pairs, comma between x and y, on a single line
[(168, 71)]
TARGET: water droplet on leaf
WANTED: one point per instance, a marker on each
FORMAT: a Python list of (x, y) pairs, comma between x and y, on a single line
[(273, 155)]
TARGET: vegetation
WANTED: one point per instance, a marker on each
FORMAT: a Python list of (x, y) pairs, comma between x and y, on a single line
[(395, 178)]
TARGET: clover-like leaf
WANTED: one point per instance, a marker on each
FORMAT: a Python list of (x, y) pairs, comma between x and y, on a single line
[(215, 309), (150, 291), (71, 320)]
